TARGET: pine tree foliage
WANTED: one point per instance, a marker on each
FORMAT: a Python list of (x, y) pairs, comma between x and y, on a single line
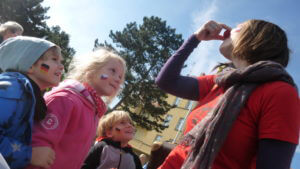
[(145, 48), (32, 16)]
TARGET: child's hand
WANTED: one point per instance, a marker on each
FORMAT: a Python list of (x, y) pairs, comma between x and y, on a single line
[(42, 157)]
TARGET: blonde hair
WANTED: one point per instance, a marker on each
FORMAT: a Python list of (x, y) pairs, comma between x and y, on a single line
[(83, 67), (109, 120), (11, 26)]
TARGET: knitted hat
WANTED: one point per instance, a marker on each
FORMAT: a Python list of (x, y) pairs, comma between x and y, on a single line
[(21, 52)]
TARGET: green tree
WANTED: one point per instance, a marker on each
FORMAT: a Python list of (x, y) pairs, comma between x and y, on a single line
[(145, 48), (61, 38), (28, 13), (32, 16)]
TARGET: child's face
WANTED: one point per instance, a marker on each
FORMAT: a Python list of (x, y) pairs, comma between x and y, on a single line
[(108, 79), (10, 34), (47, 71), (122, 131)]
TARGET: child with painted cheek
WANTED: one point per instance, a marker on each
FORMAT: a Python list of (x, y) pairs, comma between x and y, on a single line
[(112, 150), (75, 106), (21, 101)]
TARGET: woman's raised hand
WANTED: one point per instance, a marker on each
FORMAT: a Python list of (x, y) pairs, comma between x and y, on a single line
[(211, 31)]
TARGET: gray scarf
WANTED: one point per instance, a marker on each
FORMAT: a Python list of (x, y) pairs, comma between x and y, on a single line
[(207, 137)]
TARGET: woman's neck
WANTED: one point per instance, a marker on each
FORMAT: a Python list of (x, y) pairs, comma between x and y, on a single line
[(239, 64)]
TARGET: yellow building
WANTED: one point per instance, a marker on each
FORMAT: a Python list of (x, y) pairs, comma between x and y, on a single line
[(175, 119)]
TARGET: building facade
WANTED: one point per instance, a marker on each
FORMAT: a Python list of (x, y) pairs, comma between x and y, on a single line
[(174, 119)]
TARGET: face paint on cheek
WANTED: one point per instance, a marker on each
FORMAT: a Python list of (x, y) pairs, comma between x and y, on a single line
[(103, 76), (45, 68)]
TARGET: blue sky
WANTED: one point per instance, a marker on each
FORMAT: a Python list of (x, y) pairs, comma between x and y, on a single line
[(86, 20)]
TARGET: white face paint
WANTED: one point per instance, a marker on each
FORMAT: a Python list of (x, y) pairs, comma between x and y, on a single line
[(104, 76), (107, 80)]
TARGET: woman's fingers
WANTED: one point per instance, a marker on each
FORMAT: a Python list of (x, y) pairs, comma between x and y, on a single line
[(224, 26), (211, 31), (219, 37)]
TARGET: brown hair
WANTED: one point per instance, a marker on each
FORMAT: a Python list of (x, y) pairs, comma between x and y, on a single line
[(261, 40)]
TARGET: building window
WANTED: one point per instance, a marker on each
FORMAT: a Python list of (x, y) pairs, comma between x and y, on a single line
[(170, 140), (179, 124), (157, 138), (176, 102), (189, 105), (167, 120)]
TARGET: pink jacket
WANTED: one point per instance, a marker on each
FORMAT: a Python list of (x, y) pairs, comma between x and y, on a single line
[(70, 125)]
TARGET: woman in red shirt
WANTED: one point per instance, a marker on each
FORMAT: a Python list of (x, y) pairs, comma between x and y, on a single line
[(247, 117)]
